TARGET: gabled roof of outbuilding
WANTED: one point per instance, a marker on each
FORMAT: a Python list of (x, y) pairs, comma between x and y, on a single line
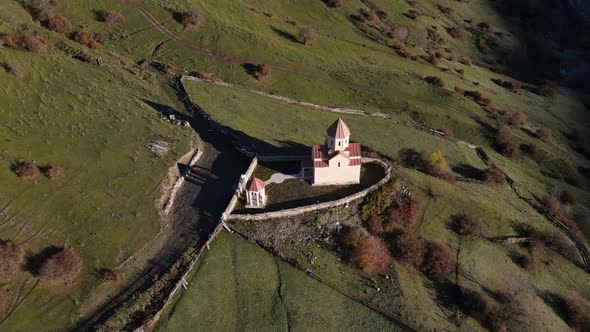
[(256, 185), (338, 129)]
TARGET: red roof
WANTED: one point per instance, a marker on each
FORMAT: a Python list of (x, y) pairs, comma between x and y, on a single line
[(354, 150), (256, 185), (319, 152), (338, 129), (355, 162)]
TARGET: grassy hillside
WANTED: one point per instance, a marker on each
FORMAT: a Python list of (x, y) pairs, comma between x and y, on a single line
[(94, 123), (239, 285)]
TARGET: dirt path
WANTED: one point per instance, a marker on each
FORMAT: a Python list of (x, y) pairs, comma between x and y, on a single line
[(194, 215)]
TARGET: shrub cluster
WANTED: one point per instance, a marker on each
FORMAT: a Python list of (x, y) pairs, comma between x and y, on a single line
[(544, 134), (436, 165), (467, 225), (456, 33), (408, 248), (514, 85), (32, 43), (25, 169), (436, 81), (515, 119), (42, 10), (191, 19), (371, 255), (439, 262), (59, 24), (334, 3), (401, 215), (63, 265), (89, 39), (112, 18), (576, 312), (504, 141), (262, 72), (493, 175)]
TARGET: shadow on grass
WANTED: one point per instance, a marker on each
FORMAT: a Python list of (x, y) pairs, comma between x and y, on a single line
[(34, 263), (287, 35)]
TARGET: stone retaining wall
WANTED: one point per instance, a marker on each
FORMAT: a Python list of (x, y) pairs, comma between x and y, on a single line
[(241, 185), (179, 182), (320, 206)]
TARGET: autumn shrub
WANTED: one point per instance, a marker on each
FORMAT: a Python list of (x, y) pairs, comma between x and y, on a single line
[(12, 257), (493, 175), (375, 225), (439, 262), (456, 33), (516, 85), (35, 43), (575, 311), (15, 70), (64, 265), (466, 62), (551, 205), (87, 39), (515, 119), (544, 134), (485, 26), (467, 225), (307, 35), (368, 14), (402, 215), (54, 173), (25, 169), (112, 18), (192, 19), (262, 72), (109, 276), (437, 166), (436, 81), (432, 59), (334, 3), (474, 95), (536, 153), (408, 248), (371, 255), (59, 24), (504, 142)]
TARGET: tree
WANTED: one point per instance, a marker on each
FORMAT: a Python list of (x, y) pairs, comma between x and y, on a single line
[(12, 257), (375, 225), (112, 18), (437, 159), (63, 265), (59, 24), (25, 169), (439, 262), (468, 225), (493, 175), (408, 248), (87, 39), (402, 215), (504, 141), (192, 19), (43, 9), (370, 255), (436, 81), (308, 35), (544, 134)]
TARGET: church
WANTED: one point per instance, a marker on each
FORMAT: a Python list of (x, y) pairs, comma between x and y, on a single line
[(337, 161)]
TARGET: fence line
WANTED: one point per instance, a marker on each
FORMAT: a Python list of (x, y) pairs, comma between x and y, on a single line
[(284, 99)]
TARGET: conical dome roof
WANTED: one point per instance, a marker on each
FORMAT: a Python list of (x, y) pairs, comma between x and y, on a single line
[(338, 130)]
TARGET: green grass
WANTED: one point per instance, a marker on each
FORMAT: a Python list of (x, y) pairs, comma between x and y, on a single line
[(295, 128), (239, 285), (94, 123)]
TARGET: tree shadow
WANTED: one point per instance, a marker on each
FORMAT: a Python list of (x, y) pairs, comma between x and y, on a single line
[(467, 171), (287, 35), (34, 263)]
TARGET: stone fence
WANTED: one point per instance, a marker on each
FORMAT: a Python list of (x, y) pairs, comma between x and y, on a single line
[(241, 185), (320, 206)]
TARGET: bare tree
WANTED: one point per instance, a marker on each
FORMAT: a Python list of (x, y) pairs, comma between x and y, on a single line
[(307, 35)]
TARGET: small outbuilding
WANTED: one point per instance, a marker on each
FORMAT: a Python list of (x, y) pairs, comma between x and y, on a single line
[(255, 193)]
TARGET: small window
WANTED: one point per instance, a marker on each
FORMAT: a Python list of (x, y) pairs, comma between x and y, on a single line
[(338, 164), (339, 142)]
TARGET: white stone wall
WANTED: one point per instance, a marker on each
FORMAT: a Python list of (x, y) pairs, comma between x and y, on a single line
[(320, 206)]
